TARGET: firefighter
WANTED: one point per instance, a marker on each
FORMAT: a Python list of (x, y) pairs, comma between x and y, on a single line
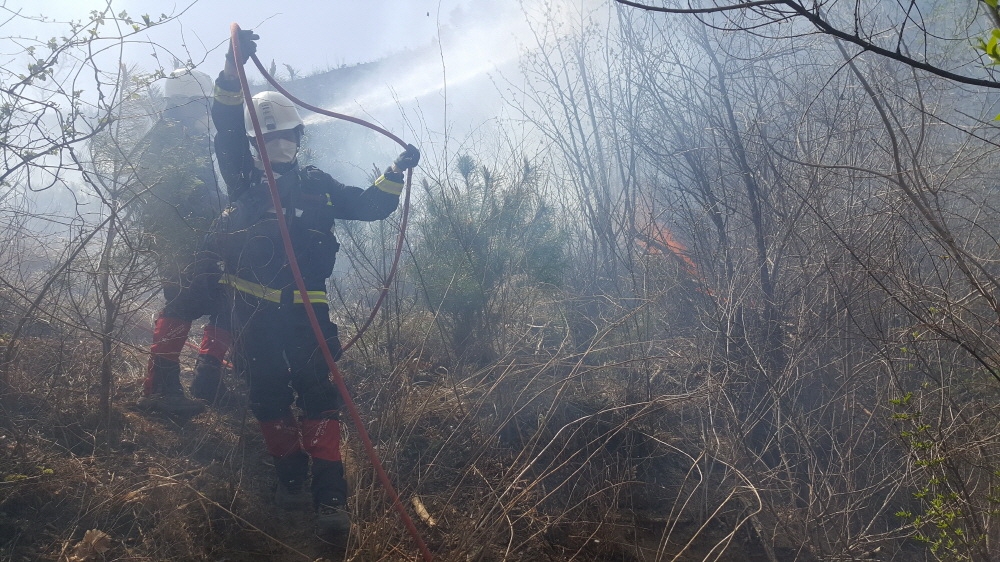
[(275, 347), (180, 199)]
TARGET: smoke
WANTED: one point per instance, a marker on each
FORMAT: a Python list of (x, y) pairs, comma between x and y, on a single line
[(451, 89)]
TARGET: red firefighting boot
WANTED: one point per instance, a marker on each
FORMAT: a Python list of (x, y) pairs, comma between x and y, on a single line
[(291, 463), (207, 384), (162, 390), (321, 439)]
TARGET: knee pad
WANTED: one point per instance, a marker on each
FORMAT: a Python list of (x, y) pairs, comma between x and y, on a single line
[(281, 437), (321, 438), (215, 341), (169, 336)]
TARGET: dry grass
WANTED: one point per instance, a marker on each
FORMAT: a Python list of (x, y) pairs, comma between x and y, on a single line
[(531, 459)]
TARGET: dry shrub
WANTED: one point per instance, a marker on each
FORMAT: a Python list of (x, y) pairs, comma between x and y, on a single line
[(542, 458)]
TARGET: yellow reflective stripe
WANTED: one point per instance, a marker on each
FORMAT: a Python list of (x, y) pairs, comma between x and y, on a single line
[(251, 288), (318, 297), (267, 293), (388, 185), (227, 97), (315, 297)]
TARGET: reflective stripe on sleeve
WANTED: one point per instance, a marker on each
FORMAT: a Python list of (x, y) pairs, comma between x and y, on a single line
[(227, 97), (388, 185)]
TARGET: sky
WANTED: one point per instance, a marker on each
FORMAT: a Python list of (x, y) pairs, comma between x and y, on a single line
[(310, 35)]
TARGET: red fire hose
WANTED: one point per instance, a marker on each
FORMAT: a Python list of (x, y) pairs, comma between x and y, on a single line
[(300, 284)]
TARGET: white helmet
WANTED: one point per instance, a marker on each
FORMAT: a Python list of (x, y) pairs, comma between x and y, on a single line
[(188, 83), (274, 111)]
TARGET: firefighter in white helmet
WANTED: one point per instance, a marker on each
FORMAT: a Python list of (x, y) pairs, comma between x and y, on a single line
[(180, 199), (274, 345), (186, 93)]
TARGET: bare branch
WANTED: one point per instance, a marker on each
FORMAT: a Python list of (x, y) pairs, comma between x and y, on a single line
[(826, 27)]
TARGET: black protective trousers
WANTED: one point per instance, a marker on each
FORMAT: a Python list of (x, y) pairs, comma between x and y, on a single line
[(276, 349)]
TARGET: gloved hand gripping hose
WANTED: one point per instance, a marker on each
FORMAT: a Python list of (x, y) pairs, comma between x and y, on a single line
[(300, 284)]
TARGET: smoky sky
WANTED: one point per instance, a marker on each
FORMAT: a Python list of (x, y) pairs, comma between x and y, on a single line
[(310, 35), (451, 57)]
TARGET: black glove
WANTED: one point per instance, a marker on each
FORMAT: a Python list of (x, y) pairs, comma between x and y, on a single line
[(246, 37), (409, 158)]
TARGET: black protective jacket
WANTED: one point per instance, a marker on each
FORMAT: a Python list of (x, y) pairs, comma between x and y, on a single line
[(246, 236)]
